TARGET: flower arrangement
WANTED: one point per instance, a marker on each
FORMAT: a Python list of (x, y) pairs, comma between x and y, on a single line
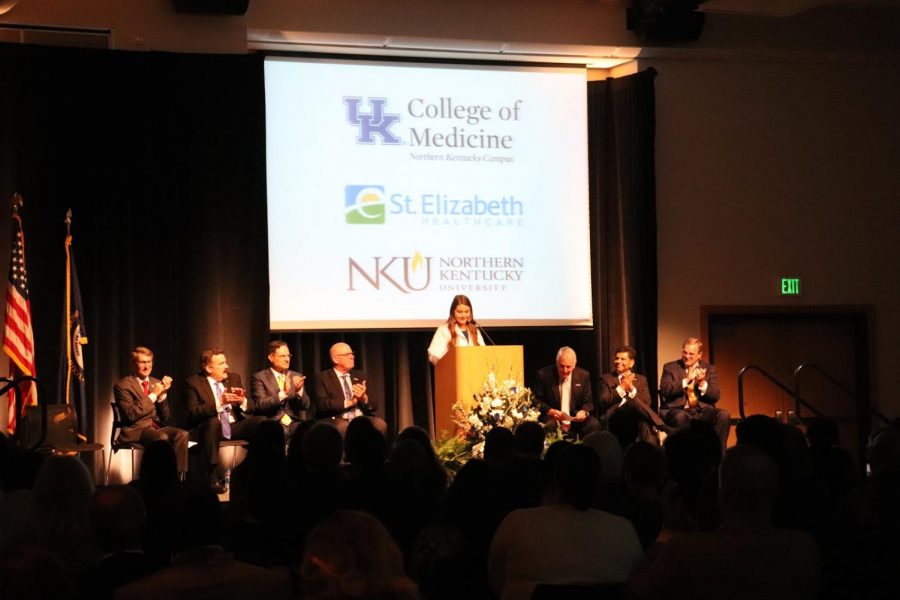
[(498, 404)]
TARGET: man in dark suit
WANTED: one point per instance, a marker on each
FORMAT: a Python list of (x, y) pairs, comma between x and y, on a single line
[(341, 393), (278, 393), (564, 393), (216, 407), (690, 390), (627, 391), (144, 408)]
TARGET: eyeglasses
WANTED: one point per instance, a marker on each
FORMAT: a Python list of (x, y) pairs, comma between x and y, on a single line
[(345, 354)]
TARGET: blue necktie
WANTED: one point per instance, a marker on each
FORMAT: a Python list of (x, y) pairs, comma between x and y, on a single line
[(223, 414)]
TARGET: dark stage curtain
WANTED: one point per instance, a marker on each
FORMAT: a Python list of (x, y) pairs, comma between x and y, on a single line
[(162, 160), (621, 134)]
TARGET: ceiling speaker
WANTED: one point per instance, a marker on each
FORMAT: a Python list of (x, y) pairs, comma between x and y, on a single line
[(665, 20)]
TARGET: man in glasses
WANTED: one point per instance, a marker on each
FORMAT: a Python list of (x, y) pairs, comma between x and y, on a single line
[(341, 393)]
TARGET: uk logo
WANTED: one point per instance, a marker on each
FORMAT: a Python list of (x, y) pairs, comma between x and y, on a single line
[(364, 204), (373, 123)]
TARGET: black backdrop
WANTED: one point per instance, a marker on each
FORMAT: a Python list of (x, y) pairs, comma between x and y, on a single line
[(162, 160)]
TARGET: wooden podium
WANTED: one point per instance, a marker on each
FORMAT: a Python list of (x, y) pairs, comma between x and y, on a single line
[(463, 371)]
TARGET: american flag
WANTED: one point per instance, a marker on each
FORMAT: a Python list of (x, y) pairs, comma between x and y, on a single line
[(18, 336)]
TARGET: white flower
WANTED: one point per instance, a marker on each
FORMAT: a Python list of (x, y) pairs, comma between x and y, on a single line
[(474, 420), (497, 403)]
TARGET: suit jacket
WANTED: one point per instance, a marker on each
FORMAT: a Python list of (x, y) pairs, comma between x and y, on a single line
[(610, 398), (137, 409), (547, 390), (264, 393), (673, 394), (199, 403), (329, 394)]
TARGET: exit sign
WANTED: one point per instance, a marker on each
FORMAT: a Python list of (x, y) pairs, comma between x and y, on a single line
[(790, 286)]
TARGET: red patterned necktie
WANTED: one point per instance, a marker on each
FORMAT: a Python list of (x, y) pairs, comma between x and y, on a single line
[(146, 385)]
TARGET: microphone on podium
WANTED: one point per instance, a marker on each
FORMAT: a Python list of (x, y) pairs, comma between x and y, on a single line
[(485, 333)]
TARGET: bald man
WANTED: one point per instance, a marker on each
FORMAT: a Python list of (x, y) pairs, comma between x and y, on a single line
[(341, 393)]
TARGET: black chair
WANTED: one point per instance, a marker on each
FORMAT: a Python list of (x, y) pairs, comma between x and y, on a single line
[(234, 445), (116, 443), (50, 428)]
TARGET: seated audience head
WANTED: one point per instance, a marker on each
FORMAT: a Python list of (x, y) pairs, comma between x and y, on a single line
[(884, 497), (692, 453), (31, 571), (748, 483), (419, 436), (499, 445), (529, 437), (550, 458), (350, 554), (763, 432), (364, 444), (118, 518), (407, 461), (608, 451), (322, 448), (577, 477), (159, 468), (625, 425), (62, 497), (883, 449), (822, 432), (197, 517), (644, 466), (268, 442), (21, 470)]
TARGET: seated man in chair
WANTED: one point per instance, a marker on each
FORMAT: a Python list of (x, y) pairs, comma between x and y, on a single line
[(144, 409), (215, 408)]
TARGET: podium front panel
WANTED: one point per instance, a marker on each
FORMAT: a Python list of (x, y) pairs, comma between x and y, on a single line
[(463, 371)]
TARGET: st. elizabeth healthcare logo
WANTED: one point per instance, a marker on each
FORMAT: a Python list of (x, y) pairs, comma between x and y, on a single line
[(364, 204), (371, 124)]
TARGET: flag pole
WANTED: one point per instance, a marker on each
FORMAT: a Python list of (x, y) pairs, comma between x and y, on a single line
[(68, 307)]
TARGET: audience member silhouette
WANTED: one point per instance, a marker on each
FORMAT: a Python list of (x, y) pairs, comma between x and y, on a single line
[(156, 483), (747, 558), (201, 569), (59, 517), (457, 541), (548, 544), (693, 454), (118, 520), (351, 555), (644, 472), (261, 523), (499, 446)]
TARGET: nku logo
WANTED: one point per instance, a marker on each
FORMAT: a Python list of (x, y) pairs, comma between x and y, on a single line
[(372, 123), (364, 204)]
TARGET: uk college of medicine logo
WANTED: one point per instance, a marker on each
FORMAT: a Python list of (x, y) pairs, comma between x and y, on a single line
[(371, 124), (364, 204)]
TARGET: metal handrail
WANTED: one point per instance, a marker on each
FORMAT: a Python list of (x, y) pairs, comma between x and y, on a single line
[(835, 382), (797, 399)]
